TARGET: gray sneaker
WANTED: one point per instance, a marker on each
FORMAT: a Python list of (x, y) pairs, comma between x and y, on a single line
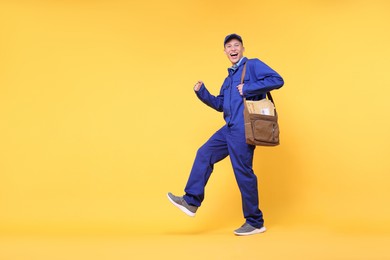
[(247, 229), (182, 205)]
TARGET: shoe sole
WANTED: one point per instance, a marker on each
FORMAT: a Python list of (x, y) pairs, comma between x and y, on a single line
[(182, 208), (256, 231)]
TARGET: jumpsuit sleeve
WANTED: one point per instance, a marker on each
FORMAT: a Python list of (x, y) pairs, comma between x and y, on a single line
[(212, 101), (262, 79)]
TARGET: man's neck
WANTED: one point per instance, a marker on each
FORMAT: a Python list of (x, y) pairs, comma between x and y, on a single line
[(239, 62)]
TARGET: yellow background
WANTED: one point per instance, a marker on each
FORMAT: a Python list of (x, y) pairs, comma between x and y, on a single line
[(99, 121)]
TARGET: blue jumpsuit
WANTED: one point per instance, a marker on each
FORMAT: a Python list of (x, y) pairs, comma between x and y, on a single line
[(230, 139)]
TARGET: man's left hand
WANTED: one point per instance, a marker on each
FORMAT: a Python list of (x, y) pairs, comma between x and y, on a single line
[(239, 88)]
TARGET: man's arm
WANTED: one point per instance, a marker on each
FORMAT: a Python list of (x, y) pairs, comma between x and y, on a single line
[(204, 95), (262, 79)]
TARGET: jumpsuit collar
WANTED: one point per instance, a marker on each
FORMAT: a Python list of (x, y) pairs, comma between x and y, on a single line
[(233, 68)]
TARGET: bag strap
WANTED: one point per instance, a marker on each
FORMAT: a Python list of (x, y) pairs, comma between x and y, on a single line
[(242, 81), (243, 73)]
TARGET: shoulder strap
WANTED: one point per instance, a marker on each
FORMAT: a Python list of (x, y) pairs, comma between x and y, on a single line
[(270, 97), (243, 73)]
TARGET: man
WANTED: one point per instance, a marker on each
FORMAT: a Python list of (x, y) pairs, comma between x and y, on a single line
[(230, 139)]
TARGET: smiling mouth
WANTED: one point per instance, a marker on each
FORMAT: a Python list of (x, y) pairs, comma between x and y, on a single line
[(233, 54)]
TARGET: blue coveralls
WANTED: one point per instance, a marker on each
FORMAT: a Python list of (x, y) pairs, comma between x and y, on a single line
[(230, 139)]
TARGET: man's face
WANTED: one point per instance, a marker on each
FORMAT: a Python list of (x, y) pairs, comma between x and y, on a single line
[(234, 50)]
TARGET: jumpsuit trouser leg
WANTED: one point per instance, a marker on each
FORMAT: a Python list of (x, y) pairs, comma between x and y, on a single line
[(213, 151), (241, 157), (227, 141)]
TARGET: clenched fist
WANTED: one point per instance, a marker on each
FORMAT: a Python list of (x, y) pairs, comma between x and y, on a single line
[(198, 85), (239, 88)]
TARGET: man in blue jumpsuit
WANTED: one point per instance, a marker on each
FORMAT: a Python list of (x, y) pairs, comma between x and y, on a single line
[(230, 139)]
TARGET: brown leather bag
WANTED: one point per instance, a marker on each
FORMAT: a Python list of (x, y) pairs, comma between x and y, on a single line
[(262, 130)]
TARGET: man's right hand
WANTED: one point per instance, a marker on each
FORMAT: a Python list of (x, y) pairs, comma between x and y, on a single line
[(198, 85)]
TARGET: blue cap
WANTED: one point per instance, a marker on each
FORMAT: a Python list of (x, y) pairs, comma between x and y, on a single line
[(231, 37)]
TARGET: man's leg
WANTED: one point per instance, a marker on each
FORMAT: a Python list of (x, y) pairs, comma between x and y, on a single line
[(213, 151), (241, 156)]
